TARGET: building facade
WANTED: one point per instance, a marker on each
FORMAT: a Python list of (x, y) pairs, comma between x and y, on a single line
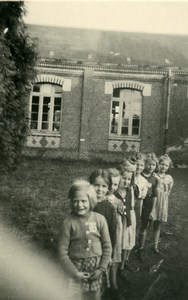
[(88, 112)]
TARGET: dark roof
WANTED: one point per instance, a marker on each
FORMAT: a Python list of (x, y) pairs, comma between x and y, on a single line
[(122, 48)]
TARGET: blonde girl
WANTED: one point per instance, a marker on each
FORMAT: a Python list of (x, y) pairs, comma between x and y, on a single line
[(84, 244), (165, 184)]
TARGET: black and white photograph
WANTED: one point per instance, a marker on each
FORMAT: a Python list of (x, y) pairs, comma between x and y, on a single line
[(93, 150)]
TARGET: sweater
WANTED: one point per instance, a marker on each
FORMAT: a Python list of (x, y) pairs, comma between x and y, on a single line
[(106, 209), (82, 237)]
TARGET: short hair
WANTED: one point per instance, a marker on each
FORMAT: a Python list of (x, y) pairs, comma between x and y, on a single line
[(105, 176), (129, 170), (113, 172), (85, 186), (152, 156), (166, 157)]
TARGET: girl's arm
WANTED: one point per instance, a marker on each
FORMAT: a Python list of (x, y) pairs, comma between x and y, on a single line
[(154, 203), (106, 245), (113, 226), (64, 241), (170, 186)]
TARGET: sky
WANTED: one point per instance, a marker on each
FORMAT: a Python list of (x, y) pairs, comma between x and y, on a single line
[(166, 17)]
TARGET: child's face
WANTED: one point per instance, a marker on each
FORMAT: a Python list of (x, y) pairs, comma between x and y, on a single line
[(126, 179), (101, 188), (81, 204), (140, 165), (115, 183), (150, 166), (164, 166)]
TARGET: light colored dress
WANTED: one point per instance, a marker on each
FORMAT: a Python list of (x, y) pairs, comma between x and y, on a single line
[(129, 232), (117, 249), (142, 184), (165, 184)]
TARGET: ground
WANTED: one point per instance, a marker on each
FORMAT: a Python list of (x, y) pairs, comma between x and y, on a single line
[(34, 202)]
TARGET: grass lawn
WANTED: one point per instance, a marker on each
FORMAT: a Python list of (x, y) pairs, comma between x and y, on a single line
[(34, 202)]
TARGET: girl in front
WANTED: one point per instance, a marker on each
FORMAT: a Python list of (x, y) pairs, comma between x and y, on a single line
[(165, 184), (84, 244), (151, 164)]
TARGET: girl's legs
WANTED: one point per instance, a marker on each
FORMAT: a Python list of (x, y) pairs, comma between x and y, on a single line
[(141, 243), (156, 233), (125, 258), (92, 295), (113, 276), (142, 237)]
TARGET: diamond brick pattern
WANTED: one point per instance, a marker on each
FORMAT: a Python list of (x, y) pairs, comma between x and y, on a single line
[(43, 141), (38, 141), (123, 146)]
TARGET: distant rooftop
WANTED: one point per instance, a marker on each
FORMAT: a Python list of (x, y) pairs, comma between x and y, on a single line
[(97, 47)]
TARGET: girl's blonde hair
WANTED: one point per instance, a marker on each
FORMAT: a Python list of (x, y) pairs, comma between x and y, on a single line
[(128, 164), (113, 172), (81, 185), (152, 157), (166, 157), (124, 169)]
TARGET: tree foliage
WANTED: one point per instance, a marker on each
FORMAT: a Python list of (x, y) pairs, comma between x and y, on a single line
[(18, 54)]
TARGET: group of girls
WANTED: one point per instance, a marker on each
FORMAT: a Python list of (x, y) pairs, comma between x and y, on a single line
[(110, 214)]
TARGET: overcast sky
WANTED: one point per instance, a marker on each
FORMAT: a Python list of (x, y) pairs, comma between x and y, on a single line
[(167, 17)]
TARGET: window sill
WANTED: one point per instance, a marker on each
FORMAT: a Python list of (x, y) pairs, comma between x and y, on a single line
[(45, 133), (124, 138)]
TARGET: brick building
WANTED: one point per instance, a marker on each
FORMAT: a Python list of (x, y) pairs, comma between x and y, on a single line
[(96, 107)]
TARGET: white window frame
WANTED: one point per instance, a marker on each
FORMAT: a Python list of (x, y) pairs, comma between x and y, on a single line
[(41, 94), (120, 119)]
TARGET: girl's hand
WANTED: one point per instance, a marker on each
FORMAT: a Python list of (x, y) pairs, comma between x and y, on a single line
[(96, 274), (151, 216), (82, 276)]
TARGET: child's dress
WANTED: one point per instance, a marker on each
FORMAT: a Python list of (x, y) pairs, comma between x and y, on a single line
[(84, 246), (148, 200), (127, 217), (160, 211), (142, 184), (106, 209), (116, 258)]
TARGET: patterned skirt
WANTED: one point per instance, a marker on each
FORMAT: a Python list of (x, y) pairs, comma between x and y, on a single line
[(88, 265)]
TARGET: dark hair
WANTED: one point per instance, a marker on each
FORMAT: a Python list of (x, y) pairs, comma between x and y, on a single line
[(85, 186), (105, 176), (141, 156)]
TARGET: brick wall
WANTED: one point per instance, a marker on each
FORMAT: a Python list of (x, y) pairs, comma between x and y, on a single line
[(86, 114), (178, 118), (71, 114), (153, 119)]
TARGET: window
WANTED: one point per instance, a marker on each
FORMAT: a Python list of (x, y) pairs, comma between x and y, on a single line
[(126, 113), (46, 101)]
